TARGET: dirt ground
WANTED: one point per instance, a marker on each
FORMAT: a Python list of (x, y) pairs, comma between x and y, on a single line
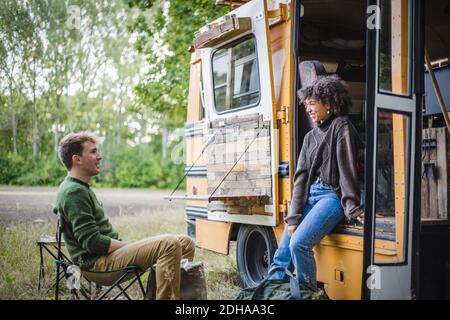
[(33, 204)]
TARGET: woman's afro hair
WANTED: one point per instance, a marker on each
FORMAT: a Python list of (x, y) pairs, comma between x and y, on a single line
[(329, 90)]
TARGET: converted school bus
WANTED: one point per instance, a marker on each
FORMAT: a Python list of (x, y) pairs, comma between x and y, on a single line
[(245, 128)]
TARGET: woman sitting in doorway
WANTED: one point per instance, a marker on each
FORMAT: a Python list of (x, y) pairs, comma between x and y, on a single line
[(326, 187)]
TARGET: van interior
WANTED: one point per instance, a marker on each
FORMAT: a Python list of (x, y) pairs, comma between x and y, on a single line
[(336, 37)]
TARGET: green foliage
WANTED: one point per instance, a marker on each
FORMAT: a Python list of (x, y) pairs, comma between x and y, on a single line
[(166, 30), (15, 169), (59, 79), (140, 167), (10, 167), (126, 167)]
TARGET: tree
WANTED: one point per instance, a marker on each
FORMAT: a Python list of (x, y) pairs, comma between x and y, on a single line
[(56, 60), (16, 30), (166, 30), (57, 77)]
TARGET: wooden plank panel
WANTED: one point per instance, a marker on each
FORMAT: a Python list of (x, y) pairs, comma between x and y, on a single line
[(442, 181), (448, 175), (425, 198), (432, 136), (425, 194), (432, 183), (238, 141), (433, 188)]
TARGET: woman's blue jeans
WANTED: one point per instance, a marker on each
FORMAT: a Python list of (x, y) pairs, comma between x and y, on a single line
[(322, 213)]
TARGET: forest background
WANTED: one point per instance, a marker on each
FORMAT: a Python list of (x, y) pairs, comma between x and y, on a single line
[(117, 68)]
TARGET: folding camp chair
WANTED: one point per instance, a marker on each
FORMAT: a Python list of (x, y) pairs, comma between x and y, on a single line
[(111, 279), (47, 243)]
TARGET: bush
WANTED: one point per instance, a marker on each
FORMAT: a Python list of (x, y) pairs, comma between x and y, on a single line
[(11, 167), (139, 167), (48, 172), (123, 166)]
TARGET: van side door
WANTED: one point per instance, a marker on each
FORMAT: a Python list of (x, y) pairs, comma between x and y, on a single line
[(393, 151)]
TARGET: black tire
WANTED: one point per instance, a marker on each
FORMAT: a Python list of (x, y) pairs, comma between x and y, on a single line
[(255, 248)]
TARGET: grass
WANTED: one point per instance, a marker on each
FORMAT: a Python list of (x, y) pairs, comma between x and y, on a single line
[(19, 255)]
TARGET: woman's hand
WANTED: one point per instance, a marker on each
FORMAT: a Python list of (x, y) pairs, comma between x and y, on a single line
[(360, 218), (291, 229)]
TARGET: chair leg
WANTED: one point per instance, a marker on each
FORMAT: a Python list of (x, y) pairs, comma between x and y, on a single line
[(140, 284), (86, 292), (138, 278), (74, 292), (61, 276), (41, 275), (150, 293), (57, 281), (123, 291), (112, 286)]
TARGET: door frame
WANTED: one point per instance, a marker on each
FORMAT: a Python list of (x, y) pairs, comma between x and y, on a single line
[(379, 101)]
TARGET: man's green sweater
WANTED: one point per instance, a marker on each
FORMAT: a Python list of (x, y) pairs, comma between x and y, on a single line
[(87, 232)]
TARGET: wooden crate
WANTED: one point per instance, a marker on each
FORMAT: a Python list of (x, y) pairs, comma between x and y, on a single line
[(236, 137), (232, 3), (435, 181), (245, 204), (251, 177), (217, 33)]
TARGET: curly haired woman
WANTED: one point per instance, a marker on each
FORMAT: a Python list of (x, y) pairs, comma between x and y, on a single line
[(326, 187)]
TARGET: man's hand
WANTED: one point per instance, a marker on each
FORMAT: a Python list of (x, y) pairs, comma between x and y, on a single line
[(291, 229)]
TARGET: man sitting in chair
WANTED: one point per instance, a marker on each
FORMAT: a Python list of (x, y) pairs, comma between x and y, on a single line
[(89, 236)]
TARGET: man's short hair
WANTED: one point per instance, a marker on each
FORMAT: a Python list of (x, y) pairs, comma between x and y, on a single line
[(73, 144)]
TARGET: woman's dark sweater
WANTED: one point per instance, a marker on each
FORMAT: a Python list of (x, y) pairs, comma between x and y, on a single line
[(329, 152)]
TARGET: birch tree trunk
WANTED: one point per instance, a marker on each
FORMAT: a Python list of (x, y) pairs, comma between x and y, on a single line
[(13, 116), (165, 141), (56, 127), (14, 131), (165, 137), (119, 126), (34, 111)]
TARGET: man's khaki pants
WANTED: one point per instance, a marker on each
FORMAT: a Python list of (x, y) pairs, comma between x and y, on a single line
[(165, 250)]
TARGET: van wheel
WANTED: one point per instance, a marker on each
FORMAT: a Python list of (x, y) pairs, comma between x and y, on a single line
[(255, 248)]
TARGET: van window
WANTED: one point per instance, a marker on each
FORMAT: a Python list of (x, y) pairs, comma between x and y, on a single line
[(394, 43), (236, 76)]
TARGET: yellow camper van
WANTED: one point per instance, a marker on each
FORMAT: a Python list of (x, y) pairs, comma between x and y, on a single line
[(245, 128)]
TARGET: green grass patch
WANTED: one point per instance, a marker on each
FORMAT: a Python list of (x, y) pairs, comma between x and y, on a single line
[(19, 255)]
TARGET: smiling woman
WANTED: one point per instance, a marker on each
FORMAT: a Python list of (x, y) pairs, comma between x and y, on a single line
[(317, 110), (326, 188), (328, 93)]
